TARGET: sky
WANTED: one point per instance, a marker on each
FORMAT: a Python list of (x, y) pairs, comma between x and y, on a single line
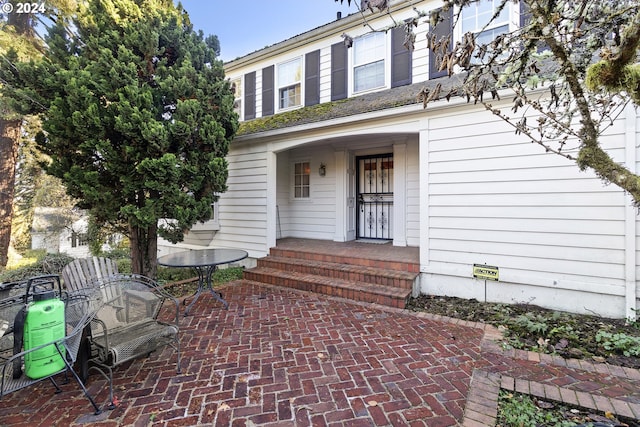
[(244, 26)]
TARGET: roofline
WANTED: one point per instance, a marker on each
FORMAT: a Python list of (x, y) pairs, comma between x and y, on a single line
[(405, 111), (319, 33)]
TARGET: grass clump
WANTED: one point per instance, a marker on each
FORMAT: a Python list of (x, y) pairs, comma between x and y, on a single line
[(522, 410)]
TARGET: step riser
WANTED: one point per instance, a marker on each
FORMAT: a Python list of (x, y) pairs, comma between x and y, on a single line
[(336, 273), (341, 259), (327, 288)]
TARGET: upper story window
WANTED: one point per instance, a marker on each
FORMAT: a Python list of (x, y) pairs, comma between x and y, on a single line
[(290, 83), (369, 52), (301, 180), (477, 15), (236, 86)]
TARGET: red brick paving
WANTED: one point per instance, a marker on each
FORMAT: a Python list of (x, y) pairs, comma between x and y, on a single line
[(280, 357)]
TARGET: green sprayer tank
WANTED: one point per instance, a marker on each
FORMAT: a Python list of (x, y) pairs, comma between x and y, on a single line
[(44, 323)]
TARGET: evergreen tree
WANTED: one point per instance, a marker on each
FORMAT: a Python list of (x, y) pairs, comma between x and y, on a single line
[(17, 33), (137, 118)]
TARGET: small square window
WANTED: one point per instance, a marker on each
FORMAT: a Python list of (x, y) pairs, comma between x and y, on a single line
[(301, 180)]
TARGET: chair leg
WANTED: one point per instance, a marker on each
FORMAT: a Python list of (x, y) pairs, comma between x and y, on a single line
[(79, 381), (58, 389), (109, 378), (179, 365)]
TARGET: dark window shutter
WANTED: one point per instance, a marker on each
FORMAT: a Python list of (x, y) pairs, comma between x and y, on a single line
[(250, 96), (267, 91), (443, 29), (312, 78), (525, 19), (338, 71), (525, 15), (400, 59)]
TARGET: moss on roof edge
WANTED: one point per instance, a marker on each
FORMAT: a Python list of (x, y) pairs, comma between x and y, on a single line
[(332, 110)]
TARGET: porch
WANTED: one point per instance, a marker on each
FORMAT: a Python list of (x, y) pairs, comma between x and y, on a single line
[(367, 271)]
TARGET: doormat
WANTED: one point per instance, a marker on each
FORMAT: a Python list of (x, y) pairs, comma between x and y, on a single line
[(374, 241)]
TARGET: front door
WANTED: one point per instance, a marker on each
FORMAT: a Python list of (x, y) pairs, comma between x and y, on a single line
[(375, 197)]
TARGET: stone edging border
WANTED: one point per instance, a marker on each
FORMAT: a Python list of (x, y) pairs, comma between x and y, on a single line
[(482, 401)]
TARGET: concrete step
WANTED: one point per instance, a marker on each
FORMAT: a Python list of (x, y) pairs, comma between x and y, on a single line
[(355, 290)]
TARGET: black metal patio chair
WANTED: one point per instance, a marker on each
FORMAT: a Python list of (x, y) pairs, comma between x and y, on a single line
[(77, 316)]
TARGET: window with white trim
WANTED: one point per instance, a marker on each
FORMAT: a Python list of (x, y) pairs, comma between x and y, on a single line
[(369, 53), (478, 14), (79, 239), (214, 212), (290, 84), (301, 180), (236, 86)]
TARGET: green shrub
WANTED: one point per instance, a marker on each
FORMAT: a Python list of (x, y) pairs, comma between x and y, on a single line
[(171, 274), (36, 264), (118, 253), (619, 343), (521, 410), (124, 265)]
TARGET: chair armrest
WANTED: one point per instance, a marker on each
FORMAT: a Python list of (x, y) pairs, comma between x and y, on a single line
[(4, 327), (67, 347), (144, 290)]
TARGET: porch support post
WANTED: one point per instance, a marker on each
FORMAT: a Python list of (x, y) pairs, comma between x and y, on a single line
[(400, 195), (271, 200), (423, 148), (631, 280), (341, 197)]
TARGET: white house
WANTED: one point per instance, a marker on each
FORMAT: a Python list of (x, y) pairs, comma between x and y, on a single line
[(334, 146), (58, 230)]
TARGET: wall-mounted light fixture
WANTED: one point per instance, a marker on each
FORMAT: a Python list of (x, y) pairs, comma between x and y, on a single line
[(322, 171)]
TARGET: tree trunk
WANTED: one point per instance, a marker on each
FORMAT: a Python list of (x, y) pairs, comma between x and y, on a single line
[(144, 250), (9, 143), (22, 22)]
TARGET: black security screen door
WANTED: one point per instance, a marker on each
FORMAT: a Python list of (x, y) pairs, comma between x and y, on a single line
[(375, 197)]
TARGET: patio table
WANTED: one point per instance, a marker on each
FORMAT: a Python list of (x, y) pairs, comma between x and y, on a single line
[(205, 262)]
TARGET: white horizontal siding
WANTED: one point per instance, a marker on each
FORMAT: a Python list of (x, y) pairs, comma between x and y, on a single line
[(243, 207), (314, 217), (540, 225), (495, 198), (325, 74), (633, 128), (258, 93), (413, 194), (420, 58)]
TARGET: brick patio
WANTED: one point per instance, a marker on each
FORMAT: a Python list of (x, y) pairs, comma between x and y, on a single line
[(283, 357)]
